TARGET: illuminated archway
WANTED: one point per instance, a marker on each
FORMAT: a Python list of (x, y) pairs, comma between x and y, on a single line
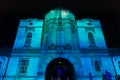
[(59, 68)]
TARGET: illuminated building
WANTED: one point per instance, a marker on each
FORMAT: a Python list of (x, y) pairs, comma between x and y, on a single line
[(59, 47)]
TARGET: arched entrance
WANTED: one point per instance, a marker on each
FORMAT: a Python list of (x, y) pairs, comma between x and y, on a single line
[(59, 69)]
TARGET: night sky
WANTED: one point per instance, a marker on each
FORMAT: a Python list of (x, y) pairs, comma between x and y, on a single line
[(107, 11)]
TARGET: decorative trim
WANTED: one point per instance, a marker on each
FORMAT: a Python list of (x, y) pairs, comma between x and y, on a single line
[(30, 29), (89, 29)]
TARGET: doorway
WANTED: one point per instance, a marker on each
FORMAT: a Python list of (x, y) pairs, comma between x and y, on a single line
[(59, 69)]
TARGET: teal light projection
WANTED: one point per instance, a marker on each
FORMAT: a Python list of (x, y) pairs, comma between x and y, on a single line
[(59, 13), (33, 26), (86, 26), (59, 29), (59, 37)]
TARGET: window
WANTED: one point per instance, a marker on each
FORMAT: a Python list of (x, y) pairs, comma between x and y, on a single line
[(97, 65), (119, 64), (89, 23), (0, 64), (91, 39), (60, 38), (28, 40), (23, 63), (31, 23)]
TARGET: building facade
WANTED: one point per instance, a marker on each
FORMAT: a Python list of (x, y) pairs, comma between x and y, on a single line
[(59, 48)]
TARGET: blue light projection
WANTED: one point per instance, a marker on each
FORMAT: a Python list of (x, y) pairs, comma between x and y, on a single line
[(60, 36)]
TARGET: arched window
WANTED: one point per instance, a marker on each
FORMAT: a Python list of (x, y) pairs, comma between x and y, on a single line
[(28, 40), (97, 65), (0, 64), (91, 39)]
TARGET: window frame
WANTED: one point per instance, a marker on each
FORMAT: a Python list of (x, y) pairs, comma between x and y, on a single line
[(28, 39), (119, 64), (97, 66), (100, 64), (91, 39), (23, 64), (0, 64)]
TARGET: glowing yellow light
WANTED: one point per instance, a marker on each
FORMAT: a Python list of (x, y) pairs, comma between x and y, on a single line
[(59, 62)]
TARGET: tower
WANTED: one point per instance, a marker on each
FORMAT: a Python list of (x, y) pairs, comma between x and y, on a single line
[(59, 47)]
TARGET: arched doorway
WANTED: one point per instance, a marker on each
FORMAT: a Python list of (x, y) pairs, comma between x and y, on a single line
[(59, 69)]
